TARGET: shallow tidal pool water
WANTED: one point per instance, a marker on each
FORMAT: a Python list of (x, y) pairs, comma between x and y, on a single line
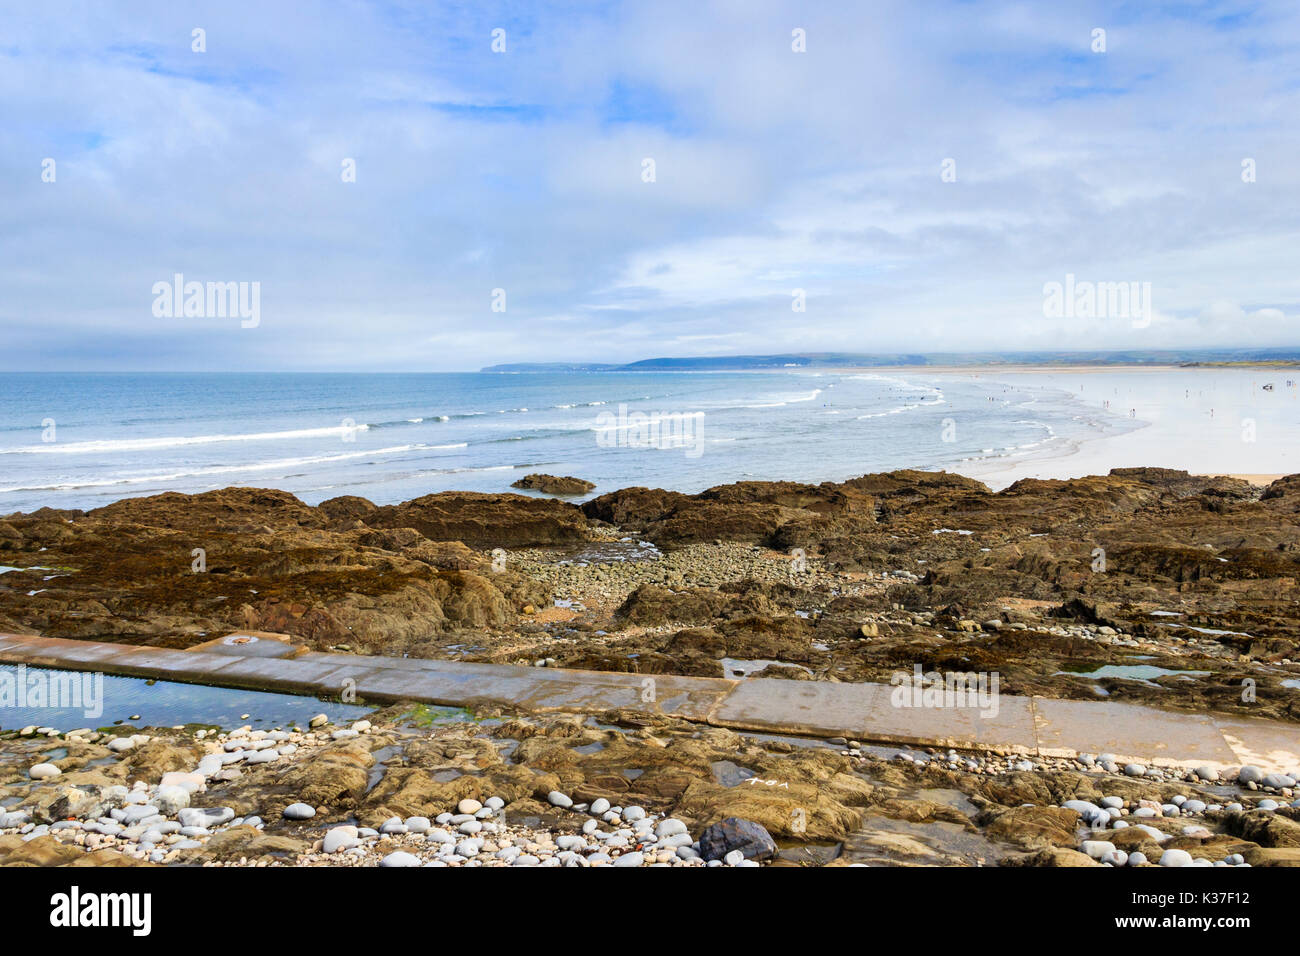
[(106, 700)]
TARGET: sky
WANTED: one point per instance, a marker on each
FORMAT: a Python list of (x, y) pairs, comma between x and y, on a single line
[(922, 171)]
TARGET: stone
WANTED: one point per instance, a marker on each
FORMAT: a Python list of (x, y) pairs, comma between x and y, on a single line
[(43, 771), (340, 838), (400, 859), (1249, 774), (669, 827), (299, 811), (191, 782), (1175, 858), (171, 800), (205, 816), (557, 799), (1097, 849), (733, 833)]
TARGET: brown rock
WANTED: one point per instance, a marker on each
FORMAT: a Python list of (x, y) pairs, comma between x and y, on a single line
[(1033, 827), (250, 843), (552, 485), (485, 520)]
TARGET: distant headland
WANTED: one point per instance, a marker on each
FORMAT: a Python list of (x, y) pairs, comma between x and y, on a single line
[(1181, 357)]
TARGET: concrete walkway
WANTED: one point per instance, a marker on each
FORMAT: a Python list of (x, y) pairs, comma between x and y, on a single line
[(1028, 725)]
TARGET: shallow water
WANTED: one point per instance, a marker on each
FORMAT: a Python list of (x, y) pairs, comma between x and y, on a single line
[(143, 703), (1142, 673), (739, 667)]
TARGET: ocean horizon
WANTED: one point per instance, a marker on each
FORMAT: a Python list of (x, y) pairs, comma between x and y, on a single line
[(81, 440)]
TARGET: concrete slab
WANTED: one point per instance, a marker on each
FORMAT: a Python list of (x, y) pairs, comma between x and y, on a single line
[(11, 640), (1006, 725), (260, 673), (1272, 746), (252, 644), (800, 707), (1131, 732), (544, 688), (868, 712)]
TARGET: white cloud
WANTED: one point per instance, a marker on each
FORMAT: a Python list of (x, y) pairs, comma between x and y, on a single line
[(775, 171)]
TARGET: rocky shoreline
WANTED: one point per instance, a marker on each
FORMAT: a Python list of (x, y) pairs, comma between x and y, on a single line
[(400, 790), (1146, 585)]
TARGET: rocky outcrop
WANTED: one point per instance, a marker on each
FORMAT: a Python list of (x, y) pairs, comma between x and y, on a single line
[(485, 521), (552, 485), (172, 569)]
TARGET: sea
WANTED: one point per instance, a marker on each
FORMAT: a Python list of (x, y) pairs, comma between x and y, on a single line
[(82, 440)]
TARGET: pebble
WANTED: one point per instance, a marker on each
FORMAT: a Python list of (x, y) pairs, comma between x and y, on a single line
[(205, 816), (1097, 849), (557, 799), (299, 811), (1249, 774), (171, 800), (400, 859), (670, 827), (340, 838)]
